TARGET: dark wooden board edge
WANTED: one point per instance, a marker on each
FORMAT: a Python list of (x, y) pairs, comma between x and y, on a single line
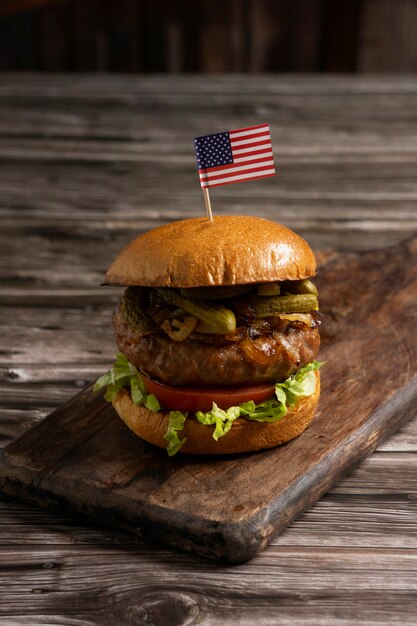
[(228, 542), (240, 542)]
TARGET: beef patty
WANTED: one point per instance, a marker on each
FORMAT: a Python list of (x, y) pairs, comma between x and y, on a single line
[(247, 358)]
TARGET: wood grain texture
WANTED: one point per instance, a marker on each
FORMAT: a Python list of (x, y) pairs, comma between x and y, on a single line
[(96, 467), (69, 199), (380, 516), (254, 35), (345, 150), (330, 583), (387, 38)]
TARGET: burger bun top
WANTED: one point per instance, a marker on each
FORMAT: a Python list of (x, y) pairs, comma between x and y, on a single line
[(228, 250)]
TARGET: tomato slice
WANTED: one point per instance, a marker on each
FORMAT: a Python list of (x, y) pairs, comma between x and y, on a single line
[(202, 398)]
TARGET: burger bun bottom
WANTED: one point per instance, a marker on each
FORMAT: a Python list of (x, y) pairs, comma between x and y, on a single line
[(244, 436)]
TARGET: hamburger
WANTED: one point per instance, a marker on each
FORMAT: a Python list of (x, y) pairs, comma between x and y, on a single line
[(218, 332)]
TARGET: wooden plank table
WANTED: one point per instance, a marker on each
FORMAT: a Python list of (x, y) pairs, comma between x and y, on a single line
[(86, 162)]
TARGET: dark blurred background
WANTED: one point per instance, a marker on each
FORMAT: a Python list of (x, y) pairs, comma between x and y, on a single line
[(209, 35)]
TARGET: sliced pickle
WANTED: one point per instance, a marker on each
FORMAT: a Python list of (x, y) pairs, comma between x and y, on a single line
[(215, 293), (301, 303), (215, 316), (304, 286), (132, 309), (268, 289)]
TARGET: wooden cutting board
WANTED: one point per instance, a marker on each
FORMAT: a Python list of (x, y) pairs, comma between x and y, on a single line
[(83, 459)]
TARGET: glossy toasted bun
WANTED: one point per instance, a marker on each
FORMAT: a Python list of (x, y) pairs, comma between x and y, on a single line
[(197, 252), (244, 436)]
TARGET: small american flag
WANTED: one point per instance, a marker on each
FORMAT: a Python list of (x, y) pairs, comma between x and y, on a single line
[(234, 156)]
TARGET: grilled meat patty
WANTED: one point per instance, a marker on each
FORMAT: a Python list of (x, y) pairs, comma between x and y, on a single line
[(252, 355)]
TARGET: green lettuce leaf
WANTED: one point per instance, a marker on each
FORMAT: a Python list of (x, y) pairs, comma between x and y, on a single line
[(151, 403), (222, 420), (124, 374), (175, 424), (298, 386), (287, 394)]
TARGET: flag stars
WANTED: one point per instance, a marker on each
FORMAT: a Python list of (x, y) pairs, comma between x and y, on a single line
[(215, 156), (213, 150)]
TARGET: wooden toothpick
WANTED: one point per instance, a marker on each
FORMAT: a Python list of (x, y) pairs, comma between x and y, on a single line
[(208, 204)]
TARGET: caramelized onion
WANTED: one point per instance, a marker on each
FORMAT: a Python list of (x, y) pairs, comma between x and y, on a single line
[(305, 318), (291, 351), (258, 351), (179, 330)]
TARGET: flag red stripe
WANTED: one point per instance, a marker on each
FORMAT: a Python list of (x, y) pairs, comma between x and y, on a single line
[(241, 130), (255, 152), (248, 153), (250, 145), (231, 182), (239, 173), (233, 166), (245, 137)]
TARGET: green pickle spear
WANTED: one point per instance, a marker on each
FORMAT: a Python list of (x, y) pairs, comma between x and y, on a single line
[(215, 317), (272, 305), (300, 286), (133, 310)]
